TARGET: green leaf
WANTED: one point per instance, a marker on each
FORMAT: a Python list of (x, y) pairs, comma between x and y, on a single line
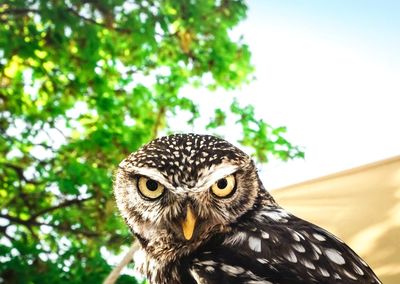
[(83, 84)]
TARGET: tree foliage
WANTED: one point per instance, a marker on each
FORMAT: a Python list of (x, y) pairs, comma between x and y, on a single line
[(84, 83)]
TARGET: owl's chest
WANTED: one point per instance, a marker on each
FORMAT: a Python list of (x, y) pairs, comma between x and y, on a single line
[(182, 270), (171, 273)]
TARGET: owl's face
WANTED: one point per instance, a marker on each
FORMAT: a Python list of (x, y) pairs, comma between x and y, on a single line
[(180, 190)]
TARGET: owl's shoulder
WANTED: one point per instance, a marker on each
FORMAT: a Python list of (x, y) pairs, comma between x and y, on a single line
[(270, 245)]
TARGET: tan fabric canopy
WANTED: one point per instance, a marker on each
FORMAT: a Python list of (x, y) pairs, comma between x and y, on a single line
[(361, 206)]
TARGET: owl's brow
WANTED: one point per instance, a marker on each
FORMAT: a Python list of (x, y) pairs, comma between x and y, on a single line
[(150, 173), (217, 173), (123, 168)]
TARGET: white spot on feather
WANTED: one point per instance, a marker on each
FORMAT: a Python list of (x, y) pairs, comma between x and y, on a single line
[(264, 235), (208, 262), (319, 237), (210, 269), (316, 248), (337, 276), (255, 244), (324, 272), (232, 270), (278, 216), (335, 256), (299, 247), (291, 256), (307, 264), (296, 236), (235, 239), (363, 262), (348, 274), (197, 277), (358, 270), (262, 260)]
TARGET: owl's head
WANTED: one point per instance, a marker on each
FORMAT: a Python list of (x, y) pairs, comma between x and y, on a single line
[(180, 190)]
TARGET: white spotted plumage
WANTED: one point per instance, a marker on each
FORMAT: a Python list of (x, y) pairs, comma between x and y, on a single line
[(335, 256), (255, 244), (245, 237)]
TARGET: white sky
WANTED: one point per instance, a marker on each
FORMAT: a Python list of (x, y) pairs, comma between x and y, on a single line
[(330, 72)]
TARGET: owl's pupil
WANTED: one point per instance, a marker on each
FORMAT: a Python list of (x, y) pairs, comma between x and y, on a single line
[(151, 185), (222, 183)]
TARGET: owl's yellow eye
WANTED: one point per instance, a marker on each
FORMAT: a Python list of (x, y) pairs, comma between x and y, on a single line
[(224, 187), (150, 188)]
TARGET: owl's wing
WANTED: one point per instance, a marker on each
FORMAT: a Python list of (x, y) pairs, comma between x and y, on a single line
[(274, 246), (230, 266)]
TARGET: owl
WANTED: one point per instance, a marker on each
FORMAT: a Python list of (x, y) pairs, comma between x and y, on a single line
[(201, 214)]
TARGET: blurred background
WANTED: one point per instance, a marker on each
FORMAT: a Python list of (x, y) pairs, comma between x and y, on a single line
[(309, 88)]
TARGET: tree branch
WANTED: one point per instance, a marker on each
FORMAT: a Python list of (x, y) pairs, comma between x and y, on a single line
[(159, 121), (3, 230), (65, 228), (62, 227), (21, 11), (93, 21), (115, 273), (59, 206), (18, 11), (20, 172)]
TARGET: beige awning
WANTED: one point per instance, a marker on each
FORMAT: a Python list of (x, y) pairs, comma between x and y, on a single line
[(361, 206)]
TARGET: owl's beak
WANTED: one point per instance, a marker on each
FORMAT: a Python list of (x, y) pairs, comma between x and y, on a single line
[(188, 224)]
